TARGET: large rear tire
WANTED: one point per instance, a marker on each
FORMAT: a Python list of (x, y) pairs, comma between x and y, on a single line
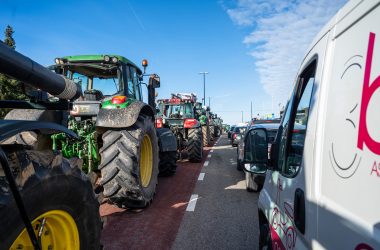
[(206, 135), (212, 132), (168, 166), (52, 188), (195, 145), (129, 164)]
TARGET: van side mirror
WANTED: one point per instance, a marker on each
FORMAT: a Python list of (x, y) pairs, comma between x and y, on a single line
[(255, 158), (154, 81)]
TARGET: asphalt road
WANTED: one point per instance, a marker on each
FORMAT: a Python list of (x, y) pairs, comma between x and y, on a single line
[(225, 214)]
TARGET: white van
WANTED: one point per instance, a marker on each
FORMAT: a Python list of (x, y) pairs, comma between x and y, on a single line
[(322, 187)]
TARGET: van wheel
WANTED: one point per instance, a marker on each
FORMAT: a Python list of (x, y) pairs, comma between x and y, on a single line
[(265, 240)]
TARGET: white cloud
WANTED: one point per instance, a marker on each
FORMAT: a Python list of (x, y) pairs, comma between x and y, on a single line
[(281, 33)]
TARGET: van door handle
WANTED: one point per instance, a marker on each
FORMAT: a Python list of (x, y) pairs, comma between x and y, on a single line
[(299, 210)]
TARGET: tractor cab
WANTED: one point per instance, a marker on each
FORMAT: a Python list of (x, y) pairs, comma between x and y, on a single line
[(101, 76), (178, 108), (107, 81)]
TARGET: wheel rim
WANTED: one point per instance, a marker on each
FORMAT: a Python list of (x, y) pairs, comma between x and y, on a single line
[(146, 161), (58, 232)]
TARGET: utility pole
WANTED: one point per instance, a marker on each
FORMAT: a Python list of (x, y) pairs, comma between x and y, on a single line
[(242, 118), (209, 102), (272, 106), (204, 86), (251, 111)]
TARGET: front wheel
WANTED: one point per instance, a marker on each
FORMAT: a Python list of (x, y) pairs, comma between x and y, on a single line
[(129, 164), (59, 201)]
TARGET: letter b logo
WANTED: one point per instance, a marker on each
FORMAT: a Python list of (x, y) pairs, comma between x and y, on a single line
[(368, 91)]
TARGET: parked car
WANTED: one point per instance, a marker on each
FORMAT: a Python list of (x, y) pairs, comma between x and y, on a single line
[(320, 187), (230, 131), (272, 131), (237, 135)]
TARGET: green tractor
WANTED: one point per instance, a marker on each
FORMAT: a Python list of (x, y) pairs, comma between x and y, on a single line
[(180, 115), (118, 142), (217, 121), (225, 127)]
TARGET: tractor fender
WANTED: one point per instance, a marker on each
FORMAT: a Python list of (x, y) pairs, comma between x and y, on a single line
[(166, 140), (37, 115), (9, 128), (123, 118), (197, 125)]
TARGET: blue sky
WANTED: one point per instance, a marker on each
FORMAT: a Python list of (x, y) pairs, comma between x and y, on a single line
[(251, 48)]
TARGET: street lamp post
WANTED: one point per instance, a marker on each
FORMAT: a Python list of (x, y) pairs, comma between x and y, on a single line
[(204, 86)]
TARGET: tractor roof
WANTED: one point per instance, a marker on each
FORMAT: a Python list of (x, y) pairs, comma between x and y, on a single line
[(100, 58), (174, 101)]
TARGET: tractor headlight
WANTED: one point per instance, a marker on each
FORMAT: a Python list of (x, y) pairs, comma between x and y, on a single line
[(59, 61), (106, 58), (114, 59)]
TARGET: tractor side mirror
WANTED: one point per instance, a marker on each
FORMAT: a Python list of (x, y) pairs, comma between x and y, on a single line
[(255, 158), (154, 81)]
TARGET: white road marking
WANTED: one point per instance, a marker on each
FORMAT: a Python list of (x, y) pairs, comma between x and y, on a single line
[(205, 164), (209, 156), (192, 203), (201, 176), (211, 150)]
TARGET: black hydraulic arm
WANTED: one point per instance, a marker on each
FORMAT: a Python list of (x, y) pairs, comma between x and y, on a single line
[(28, 71)]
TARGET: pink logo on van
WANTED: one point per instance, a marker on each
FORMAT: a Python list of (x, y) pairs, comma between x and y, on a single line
[(346, 162), (368, 90)]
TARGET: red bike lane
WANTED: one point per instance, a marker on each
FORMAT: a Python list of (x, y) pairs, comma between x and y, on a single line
[(156, 226)]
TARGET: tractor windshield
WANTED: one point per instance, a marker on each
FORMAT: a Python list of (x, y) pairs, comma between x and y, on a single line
[(107, 80), (178, 110), (103, 78), (108, 86)]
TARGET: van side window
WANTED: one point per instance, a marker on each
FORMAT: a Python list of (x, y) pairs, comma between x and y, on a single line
[(283, 132), (295, 124)]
